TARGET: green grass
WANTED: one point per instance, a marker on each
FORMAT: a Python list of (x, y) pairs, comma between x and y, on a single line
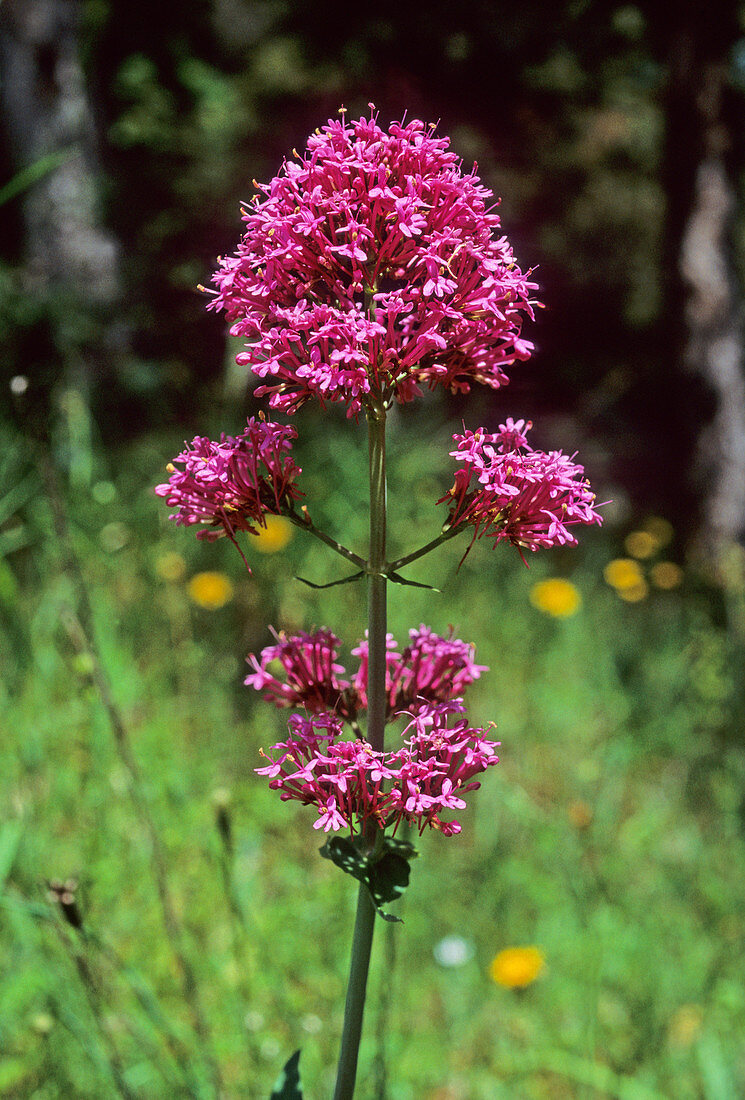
[(623, 719)]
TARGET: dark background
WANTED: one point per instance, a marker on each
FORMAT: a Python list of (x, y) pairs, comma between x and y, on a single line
[(599, 124)]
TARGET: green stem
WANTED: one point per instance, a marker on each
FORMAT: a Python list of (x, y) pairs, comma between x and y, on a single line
[(354, 1007), (376, 605), (376, 705)]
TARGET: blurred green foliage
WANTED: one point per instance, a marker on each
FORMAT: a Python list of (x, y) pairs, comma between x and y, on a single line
[(611, 834)]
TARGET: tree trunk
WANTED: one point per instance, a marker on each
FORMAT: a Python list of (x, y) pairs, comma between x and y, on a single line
[(45, 110), (701, 165), (714, 348)]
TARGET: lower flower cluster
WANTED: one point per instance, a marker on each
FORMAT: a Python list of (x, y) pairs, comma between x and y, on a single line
[(350, 784)]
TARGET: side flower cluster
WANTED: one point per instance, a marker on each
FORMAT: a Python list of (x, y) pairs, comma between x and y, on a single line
[(350, 784), (506, 490), (430, 670), (309, 668), (372, 262), (230, 485)]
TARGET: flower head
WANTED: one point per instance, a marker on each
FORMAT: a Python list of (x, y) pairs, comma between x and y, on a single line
[(350, 784), (373, 264), (666, 574), (641, 544), (273, 536), (623, 573), (517, 967), (506, 490), (210, 590), (233, 484), (432, 669), (309, 672), (556, 597)]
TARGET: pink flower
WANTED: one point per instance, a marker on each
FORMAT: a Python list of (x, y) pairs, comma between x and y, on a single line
[(439, 765), (506, 490), (373, 263), (350, 784), (310, 672), (230, 485), (431, 670)]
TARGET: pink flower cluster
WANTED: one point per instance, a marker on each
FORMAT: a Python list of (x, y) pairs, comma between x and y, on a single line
[(350, 784), (231, 485), (430, 670), (310, 672), (372, 263), (506, 490)]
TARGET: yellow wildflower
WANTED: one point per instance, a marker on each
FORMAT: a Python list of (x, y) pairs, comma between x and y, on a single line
[(210, 590), (556, 597), (641, 544), (660, 529), (635, 593), (666, 574), (170, 566), (623, 573), (517, 967), (274, 536)]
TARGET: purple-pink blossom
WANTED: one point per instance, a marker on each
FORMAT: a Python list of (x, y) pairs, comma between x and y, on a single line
[(506, 490), (231, 484), (431, 669), (310, 672), (372, 264), (350, 784), (302, 670)]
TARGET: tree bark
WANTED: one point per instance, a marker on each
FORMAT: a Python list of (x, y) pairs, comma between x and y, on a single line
[(45, 110), (701, 165)]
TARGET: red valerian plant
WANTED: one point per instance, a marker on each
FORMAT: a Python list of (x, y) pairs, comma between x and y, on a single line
[(373, 267)]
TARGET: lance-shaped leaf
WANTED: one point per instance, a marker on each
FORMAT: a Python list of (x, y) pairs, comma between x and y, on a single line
[(331, 584), (385, 873), (287, 1086)]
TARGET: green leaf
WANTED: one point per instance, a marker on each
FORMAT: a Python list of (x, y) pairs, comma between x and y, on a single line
[(716, 1074), (24, 179), (287, 1085), (398, 579), (331, 584), (10, 838), (385, 873)]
